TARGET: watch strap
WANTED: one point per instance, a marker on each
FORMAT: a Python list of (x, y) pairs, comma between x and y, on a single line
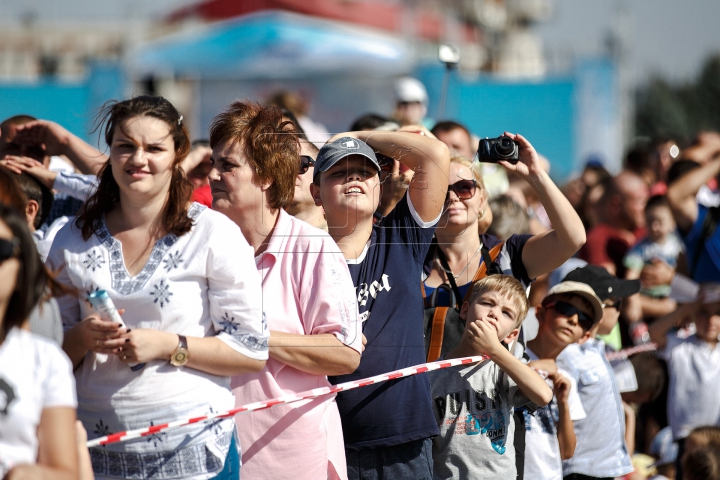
[(183, 342)]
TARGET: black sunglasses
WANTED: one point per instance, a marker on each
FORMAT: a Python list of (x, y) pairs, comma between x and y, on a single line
[(8, 248), (616, 304), (306, 162), (464, 189), (568, 310)]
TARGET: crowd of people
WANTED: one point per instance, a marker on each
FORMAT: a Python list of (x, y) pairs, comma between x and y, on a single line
[(263, 260)]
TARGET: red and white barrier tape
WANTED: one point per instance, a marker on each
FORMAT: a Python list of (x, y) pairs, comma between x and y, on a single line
[(318, 392), (285, 399), (623, 354)]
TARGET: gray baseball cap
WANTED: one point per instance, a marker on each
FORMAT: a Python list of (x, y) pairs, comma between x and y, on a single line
[(331, 153)]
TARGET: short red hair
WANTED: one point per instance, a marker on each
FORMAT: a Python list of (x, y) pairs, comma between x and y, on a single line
[(269, 143)]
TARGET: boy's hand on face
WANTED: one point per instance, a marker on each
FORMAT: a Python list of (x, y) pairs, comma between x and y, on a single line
[(561, 386), (482, 338)]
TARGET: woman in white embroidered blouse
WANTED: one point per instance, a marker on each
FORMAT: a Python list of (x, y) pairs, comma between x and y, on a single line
[(184, 277)]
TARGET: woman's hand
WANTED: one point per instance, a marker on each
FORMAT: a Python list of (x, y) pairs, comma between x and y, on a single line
[(529, 163), (98, 335), (52, 136), (143, 345)]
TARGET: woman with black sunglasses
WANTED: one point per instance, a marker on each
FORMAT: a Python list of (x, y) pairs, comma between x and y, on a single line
[(37, 389), (459, 250)]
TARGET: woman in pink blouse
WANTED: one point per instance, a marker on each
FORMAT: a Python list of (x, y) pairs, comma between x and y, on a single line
[(308, 299)]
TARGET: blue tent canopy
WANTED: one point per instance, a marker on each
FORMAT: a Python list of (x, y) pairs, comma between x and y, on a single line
[(273, 45)]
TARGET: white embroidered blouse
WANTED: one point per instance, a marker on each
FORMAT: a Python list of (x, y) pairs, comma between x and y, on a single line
[(201, 284)]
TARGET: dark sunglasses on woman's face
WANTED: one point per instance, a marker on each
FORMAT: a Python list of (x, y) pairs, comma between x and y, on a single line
[(568, 310), (464, 189), (306, 162), (8, 248)]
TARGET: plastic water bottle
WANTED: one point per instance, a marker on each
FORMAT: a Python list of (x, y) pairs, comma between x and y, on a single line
[(103, 304)]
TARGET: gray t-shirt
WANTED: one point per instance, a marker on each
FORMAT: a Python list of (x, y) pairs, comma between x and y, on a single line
[(473, 406)]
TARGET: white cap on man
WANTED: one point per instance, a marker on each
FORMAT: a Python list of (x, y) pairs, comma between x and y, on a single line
[(408, 89)]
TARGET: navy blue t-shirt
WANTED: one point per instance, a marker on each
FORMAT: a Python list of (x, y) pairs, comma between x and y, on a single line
[(386, 278), (708, 265), (508, 262)]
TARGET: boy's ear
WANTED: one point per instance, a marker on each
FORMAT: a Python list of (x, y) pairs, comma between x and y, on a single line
[(464, 310), (540, 313), (586, 336), (315, 192), (31, 210), (512, 336)]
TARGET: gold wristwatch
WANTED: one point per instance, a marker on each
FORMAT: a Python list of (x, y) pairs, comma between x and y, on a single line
[(181, 355)]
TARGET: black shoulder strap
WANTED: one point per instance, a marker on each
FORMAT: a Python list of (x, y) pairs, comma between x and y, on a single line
[(709, 225), (451, 277), (486, 258)]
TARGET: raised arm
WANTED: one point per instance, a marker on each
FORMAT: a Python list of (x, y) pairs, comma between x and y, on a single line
[(565, 427), (427, 157), (659, 328), (681, 194), (59, 141), (480, 338), (547, 251)]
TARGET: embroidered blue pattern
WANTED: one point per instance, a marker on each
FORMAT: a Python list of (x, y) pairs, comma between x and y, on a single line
[(253, 342), (179, 463), (228, 324), (93, 260), (161, 293), (173, 261), (122, 282), (155, 437), (101, 429)]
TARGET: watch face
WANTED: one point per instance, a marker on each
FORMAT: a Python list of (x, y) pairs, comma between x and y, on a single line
[(180, 357)]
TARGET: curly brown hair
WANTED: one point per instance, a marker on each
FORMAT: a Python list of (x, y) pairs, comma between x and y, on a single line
[(269, 143), (111, 117)]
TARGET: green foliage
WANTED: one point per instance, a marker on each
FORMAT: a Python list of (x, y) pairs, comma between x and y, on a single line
[(663, 109)]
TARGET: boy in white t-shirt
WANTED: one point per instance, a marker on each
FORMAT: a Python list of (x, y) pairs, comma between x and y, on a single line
[(566, 314)]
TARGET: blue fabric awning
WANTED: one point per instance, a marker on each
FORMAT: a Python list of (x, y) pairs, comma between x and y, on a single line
[(273, 45)]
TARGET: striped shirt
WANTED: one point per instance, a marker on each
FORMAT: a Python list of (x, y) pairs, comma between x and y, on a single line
[(601, 449)]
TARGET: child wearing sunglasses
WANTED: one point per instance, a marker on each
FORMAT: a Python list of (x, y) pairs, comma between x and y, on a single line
[(601, 450), (474, 403), (566, 315)]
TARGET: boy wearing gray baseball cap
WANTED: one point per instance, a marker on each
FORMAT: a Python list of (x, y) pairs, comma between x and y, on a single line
[(386, 427)]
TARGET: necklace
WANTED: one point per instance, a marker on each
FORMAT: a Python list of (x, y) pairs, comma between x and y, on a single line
[(449, 271)]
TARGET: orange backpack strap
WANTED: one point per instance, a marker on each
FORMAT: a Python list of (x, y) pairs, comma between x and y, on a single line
[(437, 333), (482, 270)]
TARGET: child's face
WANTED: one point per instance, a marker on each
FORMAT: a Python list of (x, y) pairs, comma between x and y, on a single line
[(611, 315), (496, 309), (348, 190), (560, 326), (660, 223), (707, 322)]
